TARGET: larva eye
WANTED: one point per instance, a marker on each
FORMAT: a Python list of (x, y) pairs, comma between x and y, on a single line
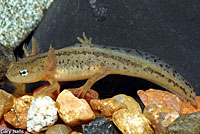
[(23, 72)]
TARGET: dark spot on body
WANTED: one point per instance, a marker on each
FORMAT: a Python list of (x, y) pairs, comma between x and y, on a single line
[(35, 59), (148, 69), (183, 89), (169, 80), (146, 54), (138, 52), (115, 48), (102, 64), (128, 50), (84, 53), (89, 61), (188, 84), (167, 66), (174, 73), (161, 75)]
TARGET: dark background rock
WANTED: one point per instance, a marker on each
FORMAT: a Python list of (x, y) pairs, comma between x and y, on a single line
[(186, 124), (168, 29), (100, 125)]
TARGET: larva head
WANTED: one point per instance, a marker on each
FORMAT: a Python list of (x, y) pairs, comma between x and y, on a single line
[(22, 72)]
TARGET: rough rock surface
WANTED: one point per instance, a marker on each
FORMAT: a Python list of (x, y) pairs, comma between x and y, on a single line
[(106, 107), (17, 116), (72, 110), (41, 114), (167, 99), (99, 125), (132, 122), (160, 117), (186, 124), (128, 101), (6, 102)]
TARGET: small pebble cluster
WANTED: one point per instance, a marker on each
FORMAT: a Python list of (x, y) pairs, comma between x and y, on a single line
[(64, 113), (19, 18)]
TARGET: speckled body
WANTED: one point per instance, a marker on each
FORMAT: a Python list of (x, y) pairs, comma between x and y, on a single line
[(83, 61)]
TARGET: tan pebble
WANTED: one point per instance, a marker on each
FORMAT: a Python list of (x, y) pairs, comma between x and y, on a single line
[(75, 132), (73, 111), (106, 107), (1, 111), (18, 114), (131, 122), (59, 129), (129, 101), (6, 102), (26, 132), (160, 117)]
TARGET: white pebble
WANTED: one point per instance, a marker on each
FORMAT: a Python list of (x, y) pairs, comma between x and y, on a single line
[(42, 113)]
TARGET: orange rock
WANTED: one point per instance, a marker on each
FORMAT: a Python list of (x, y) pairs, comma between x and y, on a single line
[(160, 117), (167, 99), (129, 101), (1, 111), (6, 102), (17, 116), (106, 107), (131, 122), (160, 97), (73, 111)]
